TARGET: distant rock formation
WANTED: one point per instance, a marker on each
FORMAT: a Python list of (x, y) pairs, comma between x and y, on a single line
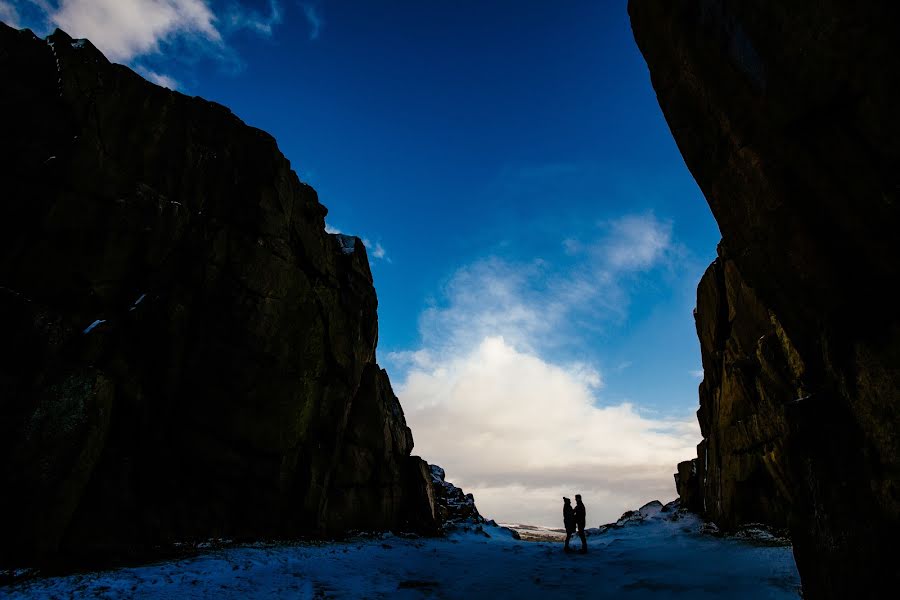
[(786, 115), (634, 517), (451, 503), (185, 352)]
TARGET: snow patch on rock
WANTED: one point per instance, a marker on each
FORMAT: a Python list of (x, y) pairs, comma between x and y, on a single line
[(347, 242)]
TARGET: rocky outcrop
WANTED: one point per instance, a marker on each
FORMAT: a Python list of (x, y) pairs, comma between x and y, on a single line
[(688, 484), (376, 484), (741, 473), (185, 352), (786, 116), (452, 504)]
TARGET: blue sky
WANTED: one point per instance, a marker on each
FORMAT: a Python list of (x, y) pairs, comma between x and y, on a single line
[(531, 224)]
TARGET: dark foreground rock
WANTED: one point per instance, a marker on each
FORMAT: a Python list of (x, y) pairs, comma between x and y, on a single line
[(185, 352), (786, 114)]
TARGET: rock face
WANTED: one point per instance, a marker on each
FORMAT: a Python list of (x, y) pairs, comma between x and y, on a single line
[(185, 352), (452, 504), (740, 475), (786, 116)]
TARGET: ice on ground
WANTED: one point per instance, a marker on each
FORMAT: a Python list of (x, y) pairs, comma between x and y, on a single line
[(663, 556)]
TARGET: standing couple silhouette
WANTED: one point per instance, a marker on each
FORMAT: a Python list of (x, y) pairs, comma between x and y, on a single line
[(572, 518)]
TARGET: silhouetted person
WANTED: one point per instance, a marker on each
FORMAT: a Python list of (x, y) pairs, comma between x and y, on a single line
[(579, 521), (568, 521)]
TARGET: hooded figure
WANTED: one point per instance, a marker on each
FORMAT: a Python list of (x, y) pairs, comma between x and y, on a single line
[(580, 521), (568, 521)]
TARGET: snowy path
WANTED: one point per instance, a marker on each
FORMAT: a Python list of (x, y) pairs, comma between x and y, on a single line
[(659, 558)]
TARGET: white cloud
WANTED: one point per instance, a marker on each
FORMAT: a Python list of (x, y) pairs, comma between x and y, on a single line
[(314, 18), (8, 14), (376, 250), (158, 78), (518, 429), (124, 29), (128, 30), (520, 432), (697, 373), (636, 242)]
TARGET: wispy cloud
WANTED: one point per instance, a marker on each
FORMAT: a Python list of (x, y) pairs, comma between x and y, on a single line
[(255, 20), (158, 78), (489, 398), (536, 304), (571, 246), (314, 18), (8, 14), (698, 374), (636, 242), (375, 249)]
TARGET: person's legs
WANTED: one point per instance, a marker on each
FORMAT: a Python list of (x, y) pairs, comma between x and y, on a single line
[(583, 539), (568, 537)]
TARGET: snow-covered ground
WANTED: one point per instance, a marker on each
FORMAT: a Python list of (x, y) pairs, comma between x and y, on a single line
[(664, 555)]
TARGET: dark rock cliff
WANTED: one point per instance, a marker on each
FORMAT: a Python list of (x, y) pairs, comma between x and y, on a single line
[(786, 114), (740, 474), (185, 352)]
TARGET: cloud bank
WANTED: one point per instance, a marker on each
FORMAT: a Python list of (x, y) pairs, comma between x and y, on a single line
[(489, 399)]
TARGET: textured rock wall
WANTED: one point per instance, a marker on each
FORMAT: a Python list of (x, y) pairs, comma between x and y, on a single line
[(786, 116), (185, 351), (740, 469)]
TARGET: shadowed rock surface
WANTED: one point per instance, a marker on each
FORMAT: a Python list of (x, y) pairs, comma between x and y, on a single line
[(185, 352), (786, 115)]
